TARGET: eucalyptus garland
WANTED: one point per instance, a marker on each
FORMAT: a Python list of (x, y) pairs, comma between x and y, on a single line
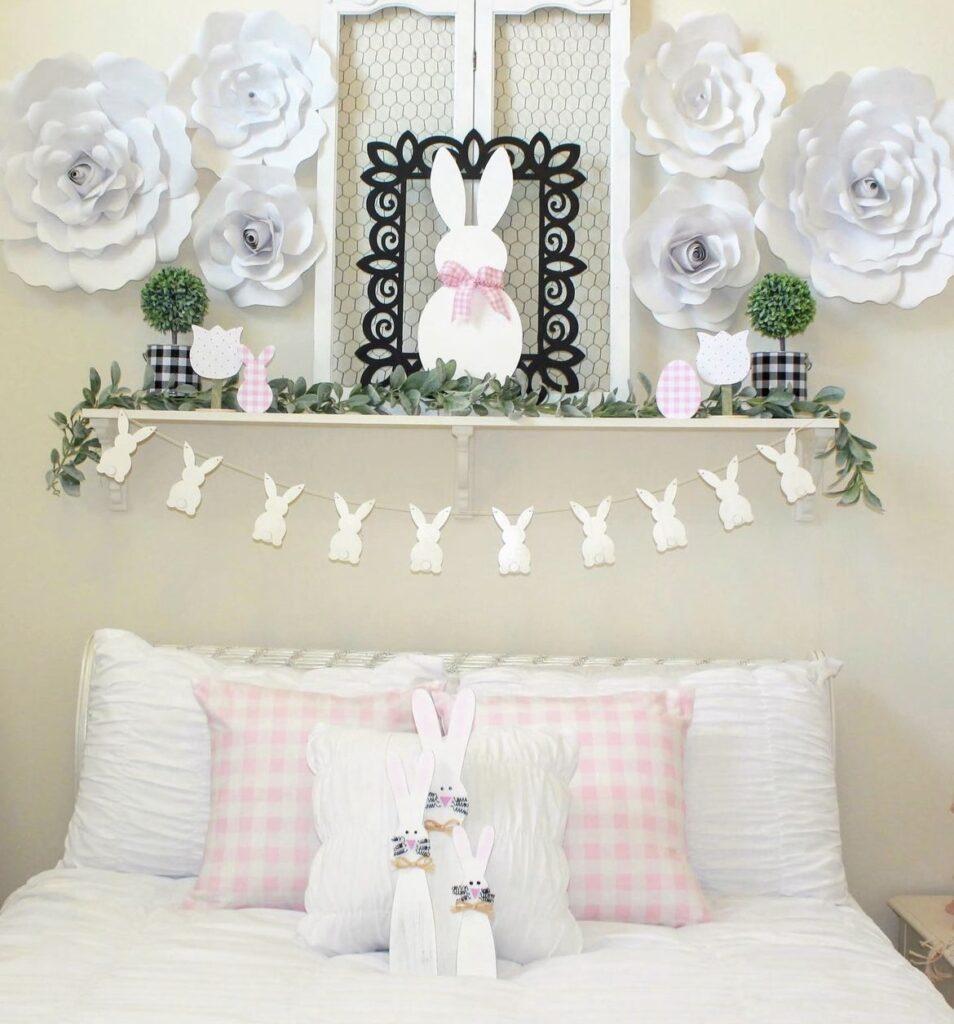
[(439, 391)]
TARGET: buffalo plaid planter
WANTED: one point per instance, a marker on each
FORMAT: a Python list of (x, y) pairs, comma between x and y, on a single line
[(172, 367), (773, 370)]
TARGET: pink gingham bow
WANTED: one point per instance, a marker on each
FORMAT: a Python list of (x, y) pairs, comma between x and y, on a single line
[(488, 279)]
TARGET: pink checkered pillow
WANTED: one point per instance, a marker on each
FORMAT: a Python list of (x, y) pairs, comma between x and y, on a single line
[(261, 838), (625, 836)]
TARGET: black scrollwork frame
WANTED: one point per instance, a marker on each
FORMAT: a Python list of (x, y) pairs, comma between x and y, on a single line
[(549, 362)]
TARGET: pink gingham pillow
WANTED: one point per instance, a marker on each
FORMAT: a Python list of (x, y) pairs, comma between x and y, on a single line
[(261, 838), (625, 836)]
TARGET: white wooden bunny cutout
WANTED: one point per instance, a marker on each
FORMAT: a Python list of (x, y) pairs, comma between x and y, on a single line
[(116, 461), (185, 495), (413, 941), (734, 510), (598, 548), (470, 318), (346, 543), (474, 902), (426, 555), (270, 526), (796, 482), (514, 555), (669, 532)]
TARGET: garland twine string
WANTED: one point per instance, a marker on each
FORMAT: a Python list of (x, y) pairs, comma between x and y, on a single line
[(403, 510)]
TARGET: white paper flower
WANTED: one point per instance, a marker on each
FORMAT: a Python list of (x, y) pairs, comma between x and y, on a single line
[(697, 101), (96, 176), (253, 88), (255, 236), (858, 188), (693, 253)]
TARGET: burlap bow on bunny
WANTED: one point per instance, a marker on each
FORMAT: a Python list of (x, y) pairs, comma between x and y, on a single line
[(488, 279)]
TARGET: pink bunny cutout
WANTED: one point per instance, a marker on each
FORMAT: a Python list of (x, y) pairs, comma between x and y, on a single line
[(254, 393)]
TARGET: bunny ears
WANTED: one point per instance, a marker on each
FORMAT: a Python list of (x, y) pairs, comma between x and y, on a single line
[(493, 194)]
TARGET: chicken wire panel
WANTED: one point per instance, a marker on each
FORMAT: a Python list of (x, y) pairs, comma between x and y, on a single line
[(552, 74), (396, 74)]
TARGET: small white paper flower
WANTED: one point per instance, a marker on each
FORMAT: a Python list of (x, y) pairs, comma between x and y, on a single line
[(255, 236), (697, 101), (96, 176), (693, 253), (859, 190), (253, 89)]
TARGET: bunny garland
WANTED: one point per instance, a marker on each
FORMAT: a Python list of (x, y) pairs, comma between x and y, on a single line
[(185, 495), (796, 482), (346, 543), (597, 548), (668, 533), (734, 510), (471, 318), (116, 462), (514, 555), (270, 526), (426, 555)]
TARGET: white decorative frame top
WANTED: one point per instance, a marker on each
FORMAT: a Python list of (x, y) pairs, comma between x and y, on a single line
[(474, 24)]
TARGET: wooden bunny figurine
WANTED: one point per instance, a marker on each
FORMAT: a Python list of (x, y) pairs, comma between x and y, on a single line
[(412, 942), (346, 543), (514, 555), (668, 533), (474, 902), (255, 393), (796, 482), (598, 548), (470, 318), (185, 495), (734, 510), (116, 461), (270, 526)]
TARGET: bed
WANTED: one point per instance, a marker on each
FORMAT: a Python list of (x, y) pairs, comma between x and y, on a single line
[(87, 946)]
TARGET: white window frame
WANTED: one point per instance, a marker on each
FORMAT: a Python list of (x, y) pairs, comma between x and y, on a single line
[(474, 34)]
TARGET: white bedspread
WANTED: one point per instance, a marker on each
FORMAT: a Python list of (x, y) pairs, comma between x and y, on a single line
[(92, 947)]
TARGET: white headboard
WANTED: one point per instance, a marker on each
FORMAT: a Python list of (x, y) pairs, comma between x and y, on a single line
[(454, 663)]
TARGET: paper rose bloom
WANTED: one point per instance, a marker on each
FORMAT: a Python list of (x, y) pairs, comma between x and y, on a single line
[(693, 252), (697, 101), (858, 188), (96, 176), (255, 236), (253, 88)]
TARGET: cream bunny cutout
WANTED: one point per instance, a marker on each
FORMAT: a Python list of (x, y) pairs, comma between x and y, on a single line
[(426, 555), (734, 510), (796, 482), (598, 548), (668, 533), (470, 318), (270, 525), (514, 555), (474, 902), (185, 495), (116, 462), (346, 543)]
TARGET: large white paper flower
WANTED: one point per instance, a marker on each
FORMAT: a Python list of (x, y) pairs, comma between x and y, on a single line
[(96, 176), (697, 101), (253, 89), (693, 253), (255, 236), (858, 188)]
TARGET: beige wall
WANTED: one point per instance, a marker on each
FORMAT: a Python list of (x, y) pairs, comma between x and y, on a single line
[(874, 591)]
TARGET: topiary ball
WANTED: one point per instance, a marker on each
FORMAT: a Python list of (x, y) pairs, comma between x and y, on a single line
[(781, 305), (173, 300)]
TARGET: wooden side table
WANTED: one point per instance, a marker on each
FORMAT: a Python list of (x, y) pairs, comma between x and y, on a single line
[(924, 919)]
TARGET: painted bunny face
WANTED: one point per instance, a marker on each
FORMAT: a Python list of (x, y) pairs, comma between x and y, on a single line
[(473, 864), (447, 797)]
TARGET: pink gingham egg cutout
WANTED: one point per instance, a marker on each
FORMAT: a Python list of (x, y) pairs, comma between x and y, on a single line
[(678, 392), (261, 838), (625, 836)]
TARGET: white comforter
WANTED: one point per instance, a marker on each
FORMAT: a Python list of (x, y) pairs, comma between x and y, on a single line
[(92, 947)]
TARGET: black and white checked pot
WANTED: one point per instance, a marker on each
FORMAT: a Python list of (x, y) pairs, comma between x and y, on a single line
[(171, 365), (773, 370)]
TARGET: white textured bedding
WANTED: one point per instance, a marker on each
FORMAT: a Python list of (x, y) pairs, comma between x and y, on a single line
[(79, 946)]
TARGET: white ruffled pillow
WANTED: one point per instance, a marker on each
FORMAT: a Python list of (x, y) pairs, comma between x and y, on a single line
[(516, 780)]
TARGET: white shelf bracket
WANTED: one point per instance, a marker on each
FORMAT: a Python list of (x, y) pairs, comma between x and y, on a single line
[(811, 443), (464, 465), (106, 431)]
